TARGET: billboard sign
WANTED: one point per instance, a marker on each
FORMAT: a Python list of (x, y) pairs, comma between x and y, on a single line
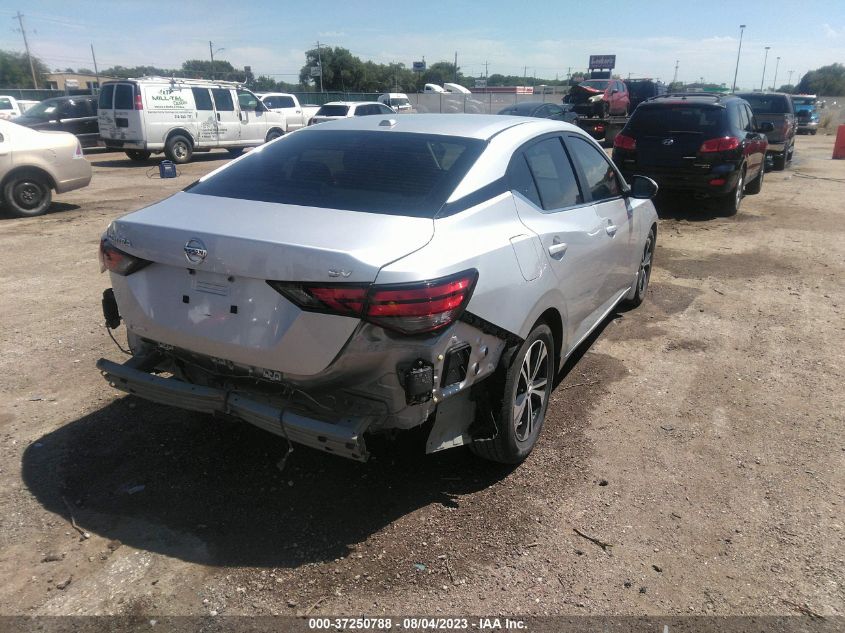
[(607, 62), (316, 71), (418, 67)]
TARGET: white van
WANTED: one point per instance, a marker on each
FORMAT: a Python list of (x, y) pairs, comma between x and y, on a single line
[(398, 101), (180, 116)]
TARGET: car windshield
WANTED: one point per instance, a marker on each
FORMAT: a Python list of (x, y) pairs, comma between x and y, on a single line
[(333, 110), (43, 110), (400, 102), (394, 173), (676, 118), (5, 103), (767, 104), (595, 84)]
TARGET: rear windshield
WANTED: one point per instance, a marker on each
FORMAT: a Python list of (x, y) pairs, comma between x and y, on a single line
[(333, 110), (393, 173), (106, 95), (768, 104), (676, 118), (5, 103)]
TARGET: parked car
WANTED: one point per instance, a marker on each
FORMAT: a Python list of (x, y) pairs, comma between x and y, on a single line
[(777, 109), (806, 114), (710, 145), (362, 277), (11, 108), (433, 88), (398, 101), (77, 115), (599, 98), (179, 116), (342, 109), (33, 164), (641, 89), (541, 110), (296, 115)]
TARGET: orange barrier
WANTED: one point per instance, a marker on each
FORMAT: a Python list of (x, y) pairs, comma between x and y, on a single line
[(839, 146)]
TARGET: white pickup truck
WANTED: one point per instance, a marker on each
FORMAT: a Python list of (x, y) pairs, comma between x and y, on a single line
[(296, 114)]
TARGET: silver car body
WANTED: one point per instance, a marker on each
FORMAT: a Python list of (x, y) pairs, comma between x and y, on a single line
[(323, 379)]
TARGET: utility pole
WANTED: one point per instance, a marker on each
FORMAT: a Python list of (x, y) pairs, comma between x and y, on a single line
[(775, 80), (486, 74), (765, 59), (26, 46), (320, 64), (675, 78), (96, 70), (211, 51), (741, 31), (790, 79), (525, 75), (456, 66)]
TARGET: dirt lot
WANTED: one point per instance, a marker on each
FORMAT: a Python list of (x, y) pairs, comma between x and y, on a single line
[(700, 435)]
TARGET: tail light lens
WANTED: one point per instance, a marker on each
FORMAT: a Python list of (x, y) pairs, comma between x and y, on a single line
[(77, 153), (116, 261), (724, 144), (624, 142), (415, 308), (139, 103)]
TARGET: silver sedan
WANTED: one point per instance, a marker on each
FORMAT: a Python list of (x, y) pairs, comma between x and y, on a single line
[(379, 273)]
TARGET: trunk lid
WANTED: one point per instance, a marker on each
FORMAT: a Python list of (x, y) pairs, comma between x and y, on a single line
[(582, 94), (122, 121), (779, 121), (672, 149), (224, 308)]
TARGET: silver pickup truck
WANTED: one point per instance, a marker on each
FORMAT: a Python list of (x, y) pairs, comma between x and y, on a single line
[(777, 109)]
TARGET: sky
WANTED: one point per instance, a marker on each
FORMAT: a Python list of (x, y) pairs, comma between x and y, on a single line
[(549, 38)]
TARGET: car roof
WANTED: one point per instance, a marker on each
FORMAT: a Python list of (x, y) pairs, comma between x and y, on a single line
[(697, 98), (477, 126), (352, 103), (743, 95)]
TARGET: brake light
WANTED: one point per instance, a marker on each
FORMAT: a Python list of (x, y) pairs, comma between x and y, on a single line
[(414, 308), (116, 261), (724, 144), (624, 142), (139, 103)]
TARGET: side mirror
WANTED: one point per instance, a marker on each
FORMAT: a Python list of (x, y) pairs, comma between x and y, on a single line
[(643, 188), (766, 126)]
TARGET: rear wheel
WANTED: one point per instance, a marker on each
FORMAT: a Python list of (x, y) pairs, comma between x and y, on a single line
[(644, 272), (272, 135), (813, 132), (179, 149), (730, 203), (756, 185), (138, 155), (529, 377), (779, 162), (27, 195), (235, 151)]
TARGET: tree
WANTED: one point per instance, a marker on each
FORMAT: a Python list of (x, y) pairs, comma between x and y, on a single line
[(787, 88), (15, 72), (827, 80), (123, 72), (341, 69), (440, 73)]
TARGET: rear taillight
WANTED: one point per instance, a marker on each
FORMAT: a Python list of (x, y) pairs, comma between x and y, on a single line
[(414, 308), (624, 142), (116, 261), (77, 153), (723, 144), (139, 103)]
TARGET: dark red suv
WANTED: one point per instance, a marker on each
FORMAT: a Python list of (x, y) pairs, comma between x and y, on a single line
[(709, 145), (599, 97)]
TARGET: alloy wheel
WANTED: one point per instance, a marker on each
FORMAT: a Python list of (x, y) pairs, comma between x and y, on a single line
[(645, 266), (531, 390)]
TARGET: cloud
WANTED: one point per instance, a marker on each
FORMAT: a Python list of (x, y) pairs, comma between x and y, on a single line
[(829, 31)]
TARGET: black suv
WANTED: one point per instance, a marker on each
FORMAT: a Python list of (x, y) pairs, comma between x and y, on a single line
[(707, 144), (77, 115)]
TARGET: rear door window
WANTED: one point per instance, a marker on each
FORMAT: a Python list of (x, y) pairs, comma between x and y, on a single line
[(553, 175), (521, 181), (124, 97), (333, 110), (598, 172), (277, 101), (106, 96), (223, 99), (202, 98)]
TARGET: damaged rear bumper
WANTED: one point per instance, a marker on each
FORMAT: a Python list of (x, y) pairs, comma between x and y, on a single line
[(342, 437)]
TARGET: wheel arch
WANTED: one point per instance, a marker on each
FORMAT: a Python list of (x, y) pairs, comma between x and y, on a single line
[(29, 169), (180, 131), (552, 318), (275, 128)]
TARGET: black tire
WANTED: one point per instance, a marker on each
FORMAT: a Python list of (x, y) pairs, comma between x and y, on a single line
[(138, 155), (179, 149), (517, 437), (813, 132), (27, 195), (272, 135), (605, 109), (779, 161), (644, 272), (755, 186), (234, 152), (730, 203)]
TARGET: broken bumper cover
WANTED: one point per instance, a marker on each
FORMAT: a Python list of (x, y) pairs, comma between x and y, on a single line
[(344, 438)]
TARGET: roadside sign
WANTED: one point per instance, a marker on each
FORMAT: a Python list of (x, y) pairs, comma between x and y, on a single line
[(418, 67), (316, 71), (602, 61), (480, 83)]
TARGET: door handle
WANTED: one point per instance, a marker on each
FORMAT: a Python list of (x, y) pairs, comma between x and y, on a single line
[(557, 249), (611, 229), (218, 116)]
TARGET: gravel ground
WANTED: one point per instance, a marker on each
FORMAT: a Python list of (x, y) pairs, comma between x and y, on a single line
[(699, 437)]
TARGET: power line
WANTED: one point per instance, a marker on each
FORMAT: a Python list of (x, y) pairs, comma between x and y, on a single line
[(26, 46)]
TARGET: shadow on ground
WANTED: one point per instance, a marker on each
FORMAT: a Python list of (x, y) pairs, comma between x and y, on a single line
[(208, 490), (121, 160), (55, 207)]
